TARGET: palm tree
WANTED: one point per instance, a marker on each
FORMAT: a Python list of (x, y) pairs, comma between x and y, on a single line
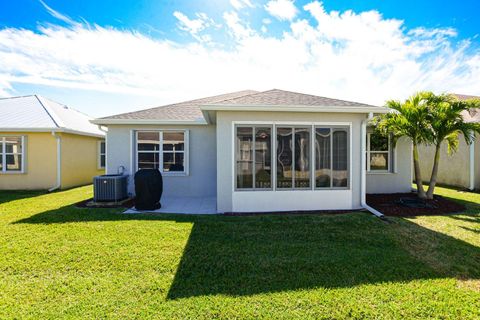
[(408, 119), (446, 123)]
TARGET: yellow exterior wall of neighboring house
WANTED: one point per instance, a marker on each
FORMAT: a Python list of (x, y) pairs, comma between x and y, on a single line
[(79, 160), (40, 163)]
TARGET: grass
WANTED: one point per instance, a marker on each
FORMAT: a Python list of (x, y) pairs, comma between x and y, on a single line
[(58, 261)]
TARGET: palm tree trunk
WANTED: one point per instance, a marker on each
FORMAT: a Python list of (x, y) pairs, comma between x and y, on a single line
[(418, 176), (433, 177)]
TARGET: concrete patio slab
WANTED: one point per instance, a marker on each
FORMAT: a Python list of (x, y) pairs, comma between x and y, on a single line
[(183, 205)]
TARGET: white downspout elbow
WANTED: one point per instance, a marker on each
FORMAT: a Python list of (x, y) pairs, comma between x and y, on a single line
[(363, 185), (59, 162), (472, 165)]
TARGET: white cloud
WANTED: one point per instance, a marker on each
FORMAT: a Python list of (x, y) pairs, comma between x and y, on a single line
[(355, 56), (266, 21), (195, 26), (236, 27), (57, 14), (282, 9), (240, 4)]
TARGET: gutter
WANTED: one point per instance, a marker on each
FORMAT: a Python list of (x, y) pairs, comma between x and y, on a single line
[(199, 122), (59, 162), (82, 133), (472, 165), (363, 185), (293, 108)]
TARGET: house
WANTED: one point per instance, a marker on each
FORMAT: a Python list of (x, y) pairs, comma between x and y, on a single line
[(261, 151), (46, 145), (462, 168)]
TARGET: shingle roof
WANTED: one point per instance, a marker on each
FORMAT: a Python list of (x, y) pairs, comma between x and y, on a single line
[(185, 111), (287, 98), (38, 113), (472, 115), (190, 110), (465, 96)]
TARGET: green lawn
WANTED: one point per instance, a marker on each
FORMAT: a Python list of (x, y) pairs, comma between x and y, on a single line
[(57, 261)]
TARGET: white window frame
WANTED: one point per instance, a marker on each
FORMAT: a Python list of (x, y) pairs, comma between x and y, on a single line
[(3, 152), (185, 152), (388, 152), (312, 126), (100, 154)]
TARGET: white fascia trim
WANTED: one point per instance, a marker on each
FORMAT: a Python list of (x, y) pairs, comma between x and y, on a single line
[(294, 108), (148, 122), (64, 130)]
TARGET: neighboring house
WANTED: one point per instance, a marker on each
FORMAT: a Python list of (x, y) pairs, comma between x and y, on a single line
[(261, 151), (462, 168), (46, 145)]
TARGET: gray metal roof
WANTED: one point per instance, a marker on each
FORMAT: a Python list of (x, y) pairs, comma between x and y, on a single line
[(38, 113), (190, 110)]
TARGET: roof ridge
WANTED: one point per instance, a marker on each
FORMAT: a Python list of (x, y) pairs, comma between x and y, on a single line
[(66, 106), (297, 93), (51, 113), (242, 96), (15, 97)]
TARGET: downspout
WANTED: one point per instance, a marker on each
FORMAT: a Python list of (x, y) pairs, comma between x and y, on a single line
[(59, 162), (363, 185), (472, 165)]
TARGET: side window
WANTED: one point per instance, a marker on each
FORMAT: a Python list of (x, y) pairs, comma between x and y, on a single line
[(379, 153), (101, 154), (11, 154)]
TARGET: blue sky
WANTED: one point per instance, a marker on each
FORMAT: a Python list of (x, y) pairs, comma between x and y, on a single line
[(106, 57)]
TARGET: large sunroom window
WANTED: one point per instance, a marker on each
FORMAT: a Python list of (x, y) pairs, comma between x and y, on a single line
[(299, 163), (293, 157), (253, 157), (331, 157)]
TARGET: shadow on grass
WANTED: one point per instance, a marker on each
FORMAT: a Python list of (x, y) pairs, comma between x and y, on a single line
[(10, 195), (248, 255)]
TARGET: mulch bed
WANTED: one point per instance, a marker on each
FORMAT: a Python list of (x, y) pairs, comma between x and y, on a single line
[(89, 204), (391, 205)]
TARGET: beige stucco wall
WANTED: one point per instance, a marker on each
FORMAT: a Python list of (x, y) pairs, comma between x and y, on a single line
[(79, 160), (40, 163), (453, 169), (477, 162)]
